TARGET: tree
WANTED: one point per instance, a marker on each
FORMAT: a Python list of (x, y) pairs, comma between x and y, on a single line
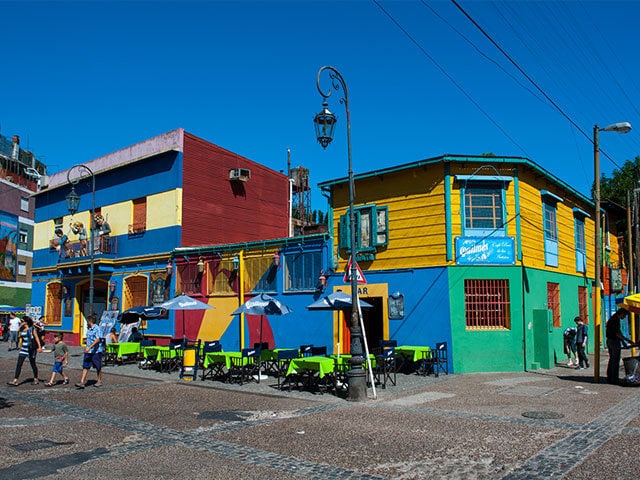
[(622, 181)]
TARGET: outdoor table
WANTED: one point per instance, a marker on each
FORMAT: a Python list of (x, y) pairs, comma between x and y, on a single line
[(116, 351), (220, 357), (153, 354), (412, 357), (312, 371)]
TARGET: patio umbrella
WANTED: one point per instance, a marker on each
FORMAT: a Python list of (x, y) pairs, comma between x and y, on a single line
[(11, 309), (135, 314), (336, 301), (262, 304), (631, 303), (184, 302)]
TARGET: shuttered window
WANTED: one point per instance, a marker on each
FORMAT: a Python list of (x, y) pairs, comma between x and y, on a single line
[(553, 302), (53, 308), (135, 292)]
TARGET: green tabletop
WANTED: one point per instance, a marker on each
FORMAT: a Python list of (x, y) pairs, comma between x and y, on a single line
[(123, 348), (153, 352), (343, 360), (272, 355), (220, 357), (322, 365), (413, 352)]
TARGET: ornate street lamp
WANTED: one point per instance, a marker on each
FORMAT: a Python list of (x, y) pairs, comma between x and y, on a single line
[(622, 127), (325, 123), (73, 204)]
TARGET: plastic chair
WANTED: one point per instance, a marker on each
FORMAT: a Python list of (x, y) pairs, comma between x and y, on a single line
[(320, 351)]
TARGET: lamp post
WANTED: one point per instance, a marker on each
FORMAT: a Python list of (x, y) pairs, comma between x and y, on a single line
[(622, 127), (325, 123), (73, 203)]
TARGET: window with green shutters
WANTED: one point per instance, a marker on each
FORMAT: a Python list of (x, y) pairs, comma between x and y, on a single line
[(372, 229)]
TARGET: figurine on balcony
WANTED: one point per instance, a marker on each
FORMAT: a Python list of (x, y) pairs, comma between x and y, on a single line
[(78, 229), (63, 246), (101, 234)]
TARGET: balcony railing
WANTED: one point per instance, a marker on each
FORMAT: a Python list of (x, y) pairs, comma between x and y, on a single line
[(104, 244)]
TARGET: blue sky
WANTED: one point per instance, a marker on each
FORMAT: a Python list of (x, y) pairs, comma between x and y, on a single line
[(84, 78)]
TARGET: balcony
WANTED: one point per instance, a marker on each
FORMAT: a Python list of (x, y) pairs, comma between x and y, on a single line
[(104, 245), (137, 228)]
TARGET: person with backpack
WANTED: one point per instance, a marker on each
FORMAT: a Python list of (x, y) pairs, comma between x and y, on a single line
[(569, 336), (581, 343), (28, 349)]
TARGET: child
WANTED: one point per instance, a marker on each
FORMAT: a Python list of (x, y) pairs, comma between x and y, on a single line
[(61, 352)]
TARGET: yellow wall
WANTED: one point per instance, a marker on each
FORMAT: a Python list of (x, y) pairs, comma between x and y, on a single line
[(163, 210)]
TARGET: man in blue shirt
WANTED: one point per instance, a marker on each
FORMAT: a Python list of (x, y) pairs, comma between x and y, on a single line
[(581, 343), (92, 353)]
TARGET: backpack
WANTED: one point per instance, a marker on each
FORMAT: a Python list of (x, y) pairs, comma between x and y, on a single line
[(570, 333)]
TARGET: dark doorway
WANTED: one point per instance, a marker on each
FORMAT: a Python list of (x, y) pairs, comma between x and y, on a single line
[(372, 319)]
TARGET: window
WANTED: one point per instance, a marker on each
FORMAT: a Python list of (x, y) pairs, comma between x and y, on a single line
[(22, 268), (53, 307), (581, 244), (553, 302), (302, 270), (550, 227), (371, 229), (23, 236), (583, 304), (134, 292), (221, 277), (139, 224), (487, 305), (24, 204), (260, 274), (483, 205), (189, 278)]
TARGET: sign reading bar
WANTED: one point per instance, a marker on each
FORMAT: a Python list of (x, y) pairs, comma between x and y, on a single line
[(485, 251)]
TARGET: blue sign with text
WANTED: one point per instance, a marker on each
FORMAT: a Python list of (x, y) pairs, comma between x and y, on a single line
[(485, 251)]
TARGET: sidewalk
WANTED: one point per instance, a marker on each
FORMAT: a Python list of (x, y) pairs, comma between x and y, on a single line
[(523, 425)]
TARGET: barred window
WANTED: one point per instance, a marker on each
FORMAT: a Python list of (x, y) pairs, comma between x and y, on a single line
[(483, 208), (260, 274), (487, 304), (53, 307), (583, 304), (553, 302), (221, 277), (135, 292), (302, 270), (189, 278)]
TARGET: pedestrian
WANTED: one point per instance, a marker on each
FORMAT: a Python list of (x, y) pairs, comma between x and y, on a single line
[(581, 343), (569, 337), (92, 353), (61, 356), (614, 338), (28, 349), (39, 326), (14, 328)]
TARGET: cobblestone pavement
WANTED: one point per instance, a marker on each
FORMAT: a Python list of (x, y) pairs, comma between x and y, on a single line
[(526, 425)]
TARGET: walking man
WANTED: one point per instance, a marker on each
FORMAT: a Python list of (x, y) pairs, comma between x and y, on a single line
[(14, 328), (614, 339), (581, 343), (92, 353)]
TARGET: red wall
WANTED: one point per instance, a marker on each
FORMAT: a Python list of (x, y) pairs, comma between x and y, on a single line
[(218, 211)]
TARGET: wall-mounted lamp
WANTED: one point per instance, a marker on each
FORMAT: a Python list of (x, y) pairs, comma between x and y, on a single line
[(396, 305), (200, 265), (276, 259), (236, 263), (322, 282), (169, 268), (112, 287)]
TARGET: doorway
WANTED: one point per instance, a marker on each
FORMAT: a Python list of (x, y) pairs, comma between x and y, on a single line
[(372, 320)]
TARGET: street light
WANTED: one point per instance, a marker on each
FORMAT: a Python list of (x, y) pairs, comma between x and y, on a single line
[(325, 123), (73, 203), (622, 127)]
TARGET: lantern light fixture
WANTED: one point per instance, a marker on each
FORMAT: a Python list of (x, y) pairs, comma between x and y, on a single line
[(200, 265), (169, 268), (276, 258), (236, 263)]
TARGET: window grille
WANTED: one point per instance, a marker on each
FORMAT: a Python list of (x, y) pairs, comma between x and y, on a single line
[(135, 292), (302, 270), (189, 279), (487, 304), (483, 208), (553, 302), (260, 274), (221, 277), (583, 304), (54, 304)]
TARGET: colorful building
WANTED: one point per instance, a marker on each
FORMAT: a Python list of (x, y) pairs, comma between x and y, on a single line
[(493, 255), (147, 199)]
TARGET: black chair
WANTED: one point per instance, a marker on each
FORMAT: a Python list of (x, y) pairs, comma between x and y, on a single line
[(245, 368), (305, 350), (145, 343), (318, 351), (213, 370), (261, 346), (385, 368), (171, 360), (281, 365), (441, 363)]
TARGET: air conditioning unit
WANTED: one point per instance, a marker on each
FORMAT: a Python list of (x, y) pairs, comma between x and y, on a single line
[(239, 174)]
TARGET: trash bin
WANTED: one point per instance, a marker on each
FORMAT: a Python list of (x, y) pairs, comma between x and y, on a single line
[(632, 369), (189, 370)]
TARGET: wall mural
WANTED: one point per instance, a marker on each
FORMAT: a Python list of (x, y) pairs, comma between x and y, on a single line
[(8, 246)]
